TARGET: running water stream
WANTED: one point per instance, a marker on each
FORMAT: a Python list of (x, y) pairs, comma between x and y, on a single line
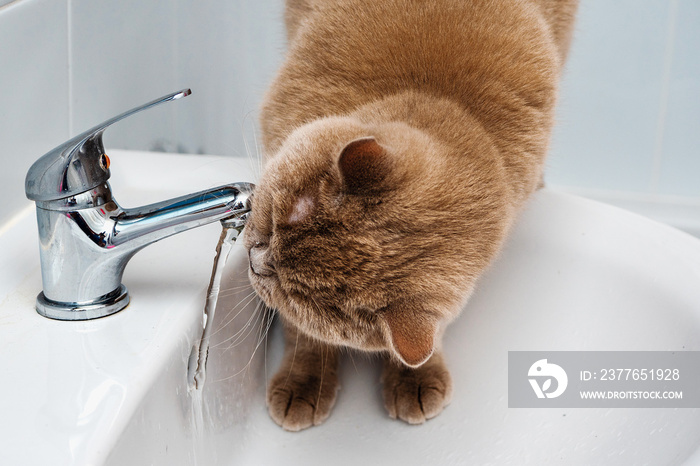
[(231, 229)]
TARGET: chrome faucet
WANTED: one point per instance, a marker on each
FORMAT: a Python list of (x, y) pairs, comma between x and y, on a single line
[(85, 237)]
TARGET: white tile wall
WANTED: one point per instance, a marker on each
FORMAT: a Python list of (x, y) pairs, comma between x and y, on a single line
[(123, 55), (629, 117), (611, 96), (228, 52), (133, 51), (33, 96), (66, 65), (679, 171)]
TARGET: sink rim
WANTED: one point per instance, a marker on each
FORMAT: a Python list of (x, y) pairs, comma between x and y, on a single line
[(95, 373), (134, 331)]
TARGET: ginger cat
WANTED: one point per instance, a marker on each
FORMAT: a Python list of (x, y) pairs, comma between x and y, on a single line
[(402, 137)]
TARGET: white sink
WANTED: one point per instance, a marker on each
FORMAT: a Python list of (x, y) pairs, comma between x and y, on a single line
[(575, 275)]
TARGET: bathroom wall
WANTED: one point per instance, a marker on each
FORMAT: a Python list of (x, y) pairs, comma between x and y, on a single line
[(628, 129), (628, 124), (34, 100), (66, 65)]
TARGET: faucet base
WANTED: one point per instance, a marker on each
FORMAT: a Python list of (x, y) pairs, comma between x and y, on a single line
[(107, 305)]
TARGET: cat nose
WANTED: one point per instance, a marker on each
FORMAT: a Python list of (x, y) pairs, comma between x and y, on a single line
[(258, 263)]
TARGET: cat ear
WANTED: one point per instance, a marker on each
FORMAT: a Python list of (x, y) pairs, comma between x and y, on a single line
[(412, 334), (363, 166)]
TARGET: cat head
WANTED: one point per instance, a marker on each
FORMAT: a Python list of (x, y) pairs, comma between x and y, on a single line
[(359, 236)]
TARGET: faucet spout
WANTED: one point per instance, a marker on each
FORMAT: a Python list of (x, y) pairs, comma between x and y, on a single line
[(136, 228), (86, 241)]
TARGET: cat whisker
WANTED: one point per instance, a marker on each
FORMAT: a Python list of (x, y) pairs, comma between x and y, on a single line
[(294, 356), (269, 316), (249, 327), (258, 154), (233, 291), (352, 359), (324, 357), (244, 301), (270, 319), (229, 321), (226, 320), (237, 287), (252, 158), (242, 329)]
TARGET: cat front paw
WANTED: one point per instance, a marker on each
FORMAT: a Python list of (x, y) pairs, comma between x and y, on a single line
[(416, 395), (301, 397)]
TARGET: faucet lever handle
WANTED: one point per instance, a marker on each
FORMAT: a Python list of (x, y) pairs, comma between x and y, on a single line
[(78, 165)]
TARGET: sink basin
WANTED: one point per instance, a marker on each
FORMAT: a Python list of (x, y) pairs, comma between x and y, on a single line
[(574, 275)]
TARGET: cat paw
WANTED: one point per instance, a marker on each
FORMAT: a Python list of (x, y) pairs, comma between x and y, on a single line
[(299, 399), (416, 395)]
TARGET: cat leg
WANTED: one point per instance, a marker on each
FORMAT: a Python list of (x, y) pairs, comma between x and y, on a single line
[(416, 394), (303, 391)]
